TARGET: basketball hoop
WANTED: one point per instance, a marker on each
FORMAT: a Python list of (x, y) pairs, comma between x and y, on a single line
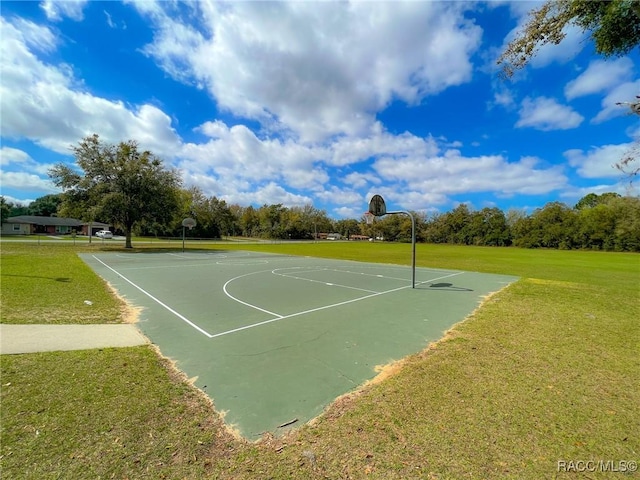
[(189, 223), (368, 217)]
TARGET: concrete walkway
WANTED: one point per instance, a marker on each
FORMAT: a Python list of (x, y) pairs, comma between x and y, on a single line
[(50, 338)]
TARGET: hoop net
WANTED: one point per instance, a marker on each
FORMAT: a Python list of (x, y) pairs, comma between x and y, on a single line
[(368, 217)]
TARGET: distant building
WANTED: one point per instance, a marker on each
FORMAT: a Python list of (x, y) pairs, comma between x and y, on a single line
[(33, 224)]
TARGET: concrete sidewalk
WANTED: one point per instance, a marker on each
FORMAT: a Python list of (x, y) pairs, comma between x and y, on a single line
[(50, 338)]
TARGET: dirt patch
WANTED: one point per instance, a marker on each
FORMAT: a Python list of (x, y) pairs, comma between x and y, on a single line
[(128, 313)]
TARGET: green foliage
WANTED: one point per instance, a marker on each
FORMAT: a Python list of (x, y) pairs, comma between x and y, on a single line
[(461, 226), (347, 227), (614, 25), (5, 210), (599, 222), (46, 206), (117, 184), (280, 222), (592, 199)]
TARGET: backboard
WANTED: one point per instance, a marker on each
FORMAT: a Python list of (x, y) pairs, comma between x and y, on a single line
[(377, 206), (189, 223)]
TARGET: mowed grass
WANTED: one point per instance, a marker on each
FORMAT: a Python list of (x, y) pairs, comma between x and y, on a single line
[(547, 371), (49, 284)]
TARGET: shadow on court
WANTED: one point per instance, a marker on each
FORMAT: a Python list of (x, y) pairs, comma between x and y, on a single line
[(274, 339), (446, 286)]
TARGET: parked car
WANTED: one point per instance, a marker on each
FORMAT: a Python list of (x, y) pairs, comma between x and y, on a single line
[(104, 234)]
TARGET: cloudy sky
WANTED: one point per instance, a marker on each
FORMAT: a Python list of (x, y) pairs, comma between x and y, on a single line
[(322, 103)]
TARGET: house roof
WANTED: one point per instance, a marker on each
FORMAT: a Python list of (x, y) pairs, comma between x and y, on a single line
[(55, 221)]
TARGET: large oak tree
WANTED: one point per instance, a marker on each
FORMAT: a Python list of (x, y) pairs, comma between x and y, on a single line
[(118, 184)]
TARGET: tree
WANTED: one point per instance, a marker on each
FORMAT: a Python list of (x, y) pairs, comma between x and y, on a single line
[(249, 222), (46, 206), (5, 210), (117, 184), (592, 199), (614, 26), (347, 226)]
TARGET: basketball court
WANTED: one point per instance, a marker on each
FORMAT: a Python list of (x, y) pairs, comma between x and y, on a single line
[(274, 339)]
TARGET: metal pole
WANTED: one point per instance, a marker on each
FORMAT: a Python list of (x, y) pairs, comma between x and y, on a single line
[(413, 245), (413, 251), (183, 239)]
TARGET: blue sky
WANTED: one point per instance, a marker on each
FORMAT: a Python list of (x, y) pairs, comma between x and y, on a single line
[(322, 103)]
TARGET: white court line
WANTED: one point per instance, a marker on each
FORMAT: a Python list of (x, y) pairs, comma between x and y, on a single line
[(197, 256), (182, 265), (282, 317), (319, 281), (370, 275), (181, 317), (224, 289)]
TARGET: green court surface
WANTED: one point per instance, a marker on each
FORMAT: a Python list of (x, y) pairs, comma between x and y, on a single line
[(274, 339)]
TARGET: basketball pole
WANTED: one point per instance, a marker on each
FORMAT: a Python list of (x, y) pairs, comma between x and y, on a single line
[(413, 244), (378, 208)]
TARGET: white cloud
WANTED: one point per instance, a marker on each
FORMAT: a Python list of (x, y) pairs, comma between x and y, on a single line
[(451, 173), (18, 201), (347, 150), (316, 69), (269, 194), (236, 152), (334, 194), (32, 93), (55, 10), (361, 180), (547, 114), (599, 161), (622, 93), (600, 76), (110, 21), (503, 98), (10, 156), (26, 181), (30, 175)]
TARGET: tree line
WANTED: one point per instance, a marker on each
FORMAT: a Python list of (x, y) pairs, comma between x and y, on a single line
[(132, 190), (608, 222)]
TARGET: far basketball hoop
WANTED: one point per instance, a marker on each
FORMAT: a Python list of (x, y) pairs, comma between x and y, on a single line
[(377, 207), (189, 223)]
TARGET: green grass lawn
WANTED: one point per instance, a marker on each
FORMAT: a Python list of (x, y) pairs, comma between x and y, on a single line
[(547, 371)]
